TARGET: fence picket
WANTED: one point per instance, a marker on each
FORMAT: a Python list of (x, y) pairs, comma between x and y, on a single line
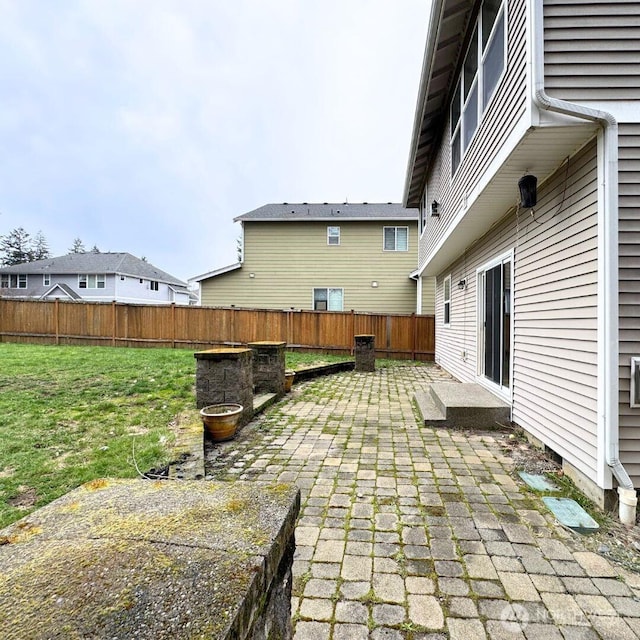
[(94, 323)]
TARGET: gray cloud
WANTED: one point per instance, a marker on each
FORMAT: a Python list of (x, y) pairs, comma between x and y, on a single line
[(147, 126)]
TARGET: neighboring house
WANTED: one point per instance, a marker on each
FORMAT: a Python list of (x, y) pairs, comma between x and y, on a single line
[(95, 277), (334, 257), (540, 303)]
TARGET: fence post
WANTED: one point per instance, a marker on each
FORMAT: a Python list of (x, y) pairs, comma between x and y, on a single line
[(414, 329), (114, 323), (353, 329), (233, 325), (173, 325), (57, 320)]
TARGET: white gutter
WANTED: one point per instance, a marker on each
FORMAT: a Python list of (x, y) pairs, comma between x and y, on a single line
[(608, 406)]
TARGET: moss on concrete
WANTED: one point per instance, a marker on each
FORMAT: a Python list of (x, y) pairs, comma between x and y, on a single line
[(122, 559)]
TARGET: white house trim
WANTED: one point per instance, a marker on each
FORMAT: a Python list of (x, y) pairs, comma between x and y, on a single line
[(608, 424)]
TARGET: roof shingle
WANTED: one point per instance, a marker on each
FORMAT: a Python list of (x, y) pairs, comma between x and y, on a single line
[(329, 211)]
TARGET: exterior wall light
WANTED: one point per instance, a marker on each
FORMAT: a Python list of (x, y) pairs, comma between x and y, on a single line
[(462, 285), (435, 206), (374, 284), (528, 191)]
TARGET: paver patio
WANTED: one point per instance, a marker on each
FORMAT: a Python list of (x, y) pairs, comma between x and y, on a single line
[(408, 532)]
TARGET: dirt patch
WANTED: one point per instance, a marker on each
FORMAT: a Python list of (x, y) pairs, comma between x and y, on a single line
[(528, 458), (26, 498)]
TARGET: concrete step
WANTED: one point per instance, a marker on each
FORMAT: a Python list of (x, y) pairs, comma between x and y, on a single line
[(262, 401), (462, 405), (427, 408)]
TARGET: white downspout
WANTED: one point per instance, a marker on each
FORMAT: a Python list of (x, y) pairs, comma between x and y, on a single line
[(609, 221)]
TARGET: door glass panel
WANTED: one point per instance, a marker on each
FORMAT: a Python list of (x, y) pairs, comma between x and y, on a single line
[(492, 305), (496, 303), (506, 324)]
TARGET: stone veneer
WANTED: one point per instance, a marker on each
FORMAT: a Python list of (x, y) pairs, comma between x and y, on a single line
[(144, 559), (365, 352), (225, 375), (268, 366)]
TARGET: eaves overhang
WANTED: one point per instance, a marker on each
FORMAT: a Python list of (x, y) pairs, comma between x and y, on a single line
[(445, 40), (216, 272), (540, 151), (412, 218)]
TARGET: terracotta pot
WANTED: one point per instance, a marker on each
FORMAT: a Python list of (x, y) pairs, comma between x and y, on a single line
[(221, 420), (288, 380)]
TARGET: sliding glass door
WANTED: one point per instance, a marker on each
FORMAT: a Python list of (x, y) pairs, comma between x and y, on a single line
[(494, 313)]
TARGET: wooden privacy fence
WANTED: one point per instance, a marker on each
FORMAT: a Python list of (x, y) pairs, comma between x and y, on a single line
[(129, 325)]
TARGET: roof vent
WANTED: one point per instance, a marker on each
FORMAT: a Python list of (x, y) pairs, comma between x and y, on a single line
[(305, 203), (365, 203), (285, 203), (325, 203)]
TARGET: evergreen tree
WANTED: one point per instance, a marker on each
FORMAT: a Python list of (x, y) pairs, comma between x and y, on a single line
[(77, 246), (40, 247), (16, 248), (239, 249)]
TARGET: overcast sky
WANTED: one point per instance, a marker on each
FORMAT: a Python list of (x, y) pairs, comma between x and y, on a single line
[(146, 126)]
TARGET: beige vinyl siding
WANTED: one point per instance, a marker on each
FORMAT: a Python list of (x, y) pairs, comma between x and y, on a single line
[(289, 259), (428, 296), (555, 311), (629, 290), (506, 109), (591, 49)]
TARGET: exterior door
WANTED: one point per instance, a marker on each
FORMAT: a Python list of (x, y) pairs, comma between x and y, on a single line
[(495, 322)]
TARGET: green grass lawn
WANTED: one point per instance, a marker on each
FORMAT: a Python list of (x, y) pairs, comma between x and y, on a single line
[(72, 414)]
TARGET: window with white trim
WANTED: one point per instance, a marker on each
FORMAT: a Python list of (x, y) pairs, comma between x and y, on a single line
[(153, 285), (446, 295), (91, 281), (482, 68), (46, 279), (328, 299), (13, 281), (333, 235), (396, 238)]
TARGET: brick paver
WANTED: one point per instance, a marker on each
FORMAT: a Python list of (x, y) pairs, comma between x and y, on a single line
[(412, 532)]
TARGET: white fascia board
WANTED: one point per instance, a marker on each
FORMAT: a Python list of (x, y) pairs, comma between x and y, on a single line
[(216, 272), (338, 219)]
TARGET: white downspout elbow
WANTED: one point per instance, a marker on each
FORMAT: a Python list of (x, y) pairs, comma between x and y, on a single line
[(609, 214)]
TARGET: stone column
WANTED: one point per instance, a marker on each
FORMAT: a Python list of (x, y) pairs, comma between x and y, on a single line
[(365, 352), (225, 375), (268, 366)]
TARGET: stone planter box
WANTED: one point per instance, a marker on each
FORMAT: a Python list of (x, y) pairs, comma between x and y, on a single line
[(122, 559)]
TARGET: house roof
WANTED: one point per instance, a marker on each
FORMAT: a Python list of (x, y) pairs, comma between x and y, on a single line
[(216, 272), (310, 211), (93, 262), (448, 20), (66, 289)]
